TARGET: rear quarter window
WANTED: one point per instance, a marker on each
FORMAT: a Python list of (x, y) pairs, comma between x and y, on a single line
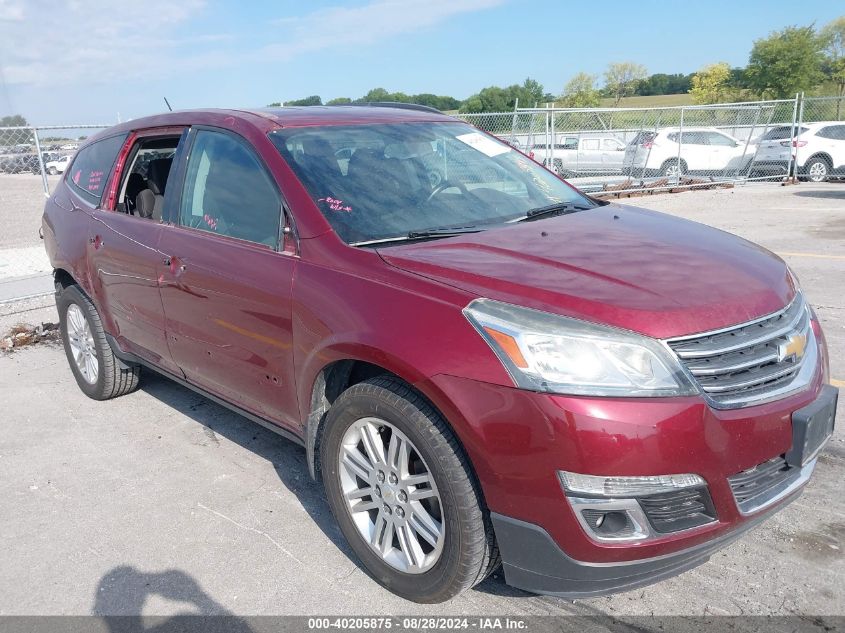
[(91, 167)]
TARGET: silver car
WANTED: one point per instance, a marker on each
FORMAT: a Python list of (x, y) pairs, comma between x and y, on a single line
[(582, 154)]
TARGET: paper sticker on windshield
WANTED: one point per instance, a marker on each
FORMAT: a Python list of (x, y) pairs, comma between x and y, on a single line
[(483, 144)]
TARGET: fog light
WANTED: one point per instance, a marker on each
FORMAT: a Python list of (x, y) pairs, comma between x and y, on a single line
[(611, 519)]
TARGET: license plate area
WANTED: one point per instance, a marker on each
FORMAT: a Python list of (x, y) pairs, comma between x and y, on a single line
[(812, 426)]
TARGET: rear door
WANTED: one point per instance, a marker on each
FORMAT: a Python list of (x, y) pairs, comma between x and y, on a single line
[(695, 151), (726, 153), (126, 263), (226, 285)]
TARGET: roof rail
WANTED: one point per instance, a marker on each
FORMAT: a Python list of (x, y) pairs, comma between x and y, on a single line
[(397, 104)]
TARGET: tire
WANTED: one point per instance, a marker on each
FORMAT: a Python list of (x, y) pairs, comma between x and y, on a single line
[(52, 171), (103, 376), (817, 169), (673, 169), (467, 551)]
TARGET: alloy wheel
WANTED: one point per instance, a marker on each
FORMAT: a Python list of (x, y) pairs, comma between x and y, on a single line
[(391, 496), (673, 171), (817, 171), (82, 344)]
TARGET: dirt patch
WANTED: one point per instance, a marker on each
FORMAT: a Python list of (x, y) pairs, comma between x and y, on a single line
[(24, 335), (824, 544), (833, 230)]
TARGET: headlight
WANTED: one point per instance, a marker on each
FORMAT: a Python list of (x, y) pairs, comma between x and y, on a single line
[(546, 352)]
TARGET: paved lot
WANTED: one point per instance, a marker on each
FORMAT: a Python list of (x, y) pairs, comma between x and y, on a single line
[(162, 502)]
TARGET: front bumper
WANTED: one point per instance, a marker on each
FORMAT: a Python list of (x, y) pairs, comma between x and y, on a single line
[(533, 562)]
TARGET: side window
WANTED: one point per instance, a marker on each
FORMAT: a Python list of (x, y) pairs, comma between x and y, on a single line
[(693, 138), (228, 191), (611, 144), (832, 131), (145, 177), (91, 167), (720, 139), (590, 144)]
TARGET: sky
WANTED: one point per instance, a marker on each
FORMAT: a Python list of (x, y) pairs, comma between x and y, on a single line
[(98, 61)]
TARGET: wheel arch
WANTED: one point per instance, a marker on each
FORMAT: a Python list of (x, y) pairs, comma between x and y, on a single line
[(823, 156), (340, 373)]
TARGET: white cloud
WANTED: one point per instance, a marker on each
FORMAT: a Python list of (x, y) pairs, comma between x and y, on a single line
[(54, 43), (336, 27), (11, 10)]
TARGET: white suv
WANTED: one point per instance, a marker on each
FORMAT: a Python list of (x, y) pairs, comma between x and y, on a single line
[(701, 150), (818, 150)]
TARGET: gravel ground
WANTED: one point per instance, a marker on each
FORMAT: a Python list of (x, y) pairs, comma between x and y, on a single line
[(144, 503)]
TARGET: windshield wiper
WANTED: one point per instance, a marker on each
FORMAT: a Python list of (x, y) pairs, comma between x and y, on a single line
[(559, 208), (412, 236)]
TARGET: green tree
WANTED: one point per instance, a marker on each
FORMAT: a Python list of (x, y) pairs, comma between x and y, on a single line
[(339, 101), (581, 92), (498, 99), (833, 39), (711, 83), (785, 62), (622, 78), (15, 120), (313, 100)]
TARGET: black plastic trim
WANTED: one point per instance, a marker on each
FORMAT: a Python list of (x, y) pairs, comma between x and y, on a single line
[(532, 561)]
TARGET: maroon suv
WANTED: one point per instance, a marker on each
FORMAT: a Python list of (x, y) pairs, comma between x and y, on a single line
[(483, 364)]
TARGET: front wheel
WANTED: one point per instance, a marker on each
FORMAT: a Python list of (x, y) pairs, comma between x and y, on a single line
[(98, 372), (817, 170), (52, 171), (403, 493)]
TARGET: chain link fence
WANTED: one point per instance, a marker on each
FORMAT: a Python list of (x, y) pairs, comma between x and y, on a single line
[(32, 159), (604, 151), (620, 150)]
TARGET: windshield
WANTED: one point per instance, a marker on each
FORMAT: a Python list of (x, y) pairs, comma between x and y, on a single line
[(376, 182)]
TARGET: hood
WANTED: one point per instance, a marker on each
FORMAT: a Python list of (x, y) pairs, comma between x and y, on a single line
[(622, 266)]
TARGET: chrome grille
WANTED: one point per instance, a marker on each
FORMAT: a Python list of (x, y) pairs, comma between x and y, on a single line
[(748, 362)]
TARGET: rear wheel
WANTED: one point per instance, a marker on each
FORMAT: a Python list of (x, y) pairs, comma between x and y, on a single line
[(817, 169), (52, 171), (98, 372), (403, 493), (673, 168)]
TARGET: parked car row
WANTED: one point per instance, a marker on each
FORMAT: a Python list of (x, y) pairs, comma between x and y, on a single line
[(55, 162), (673, 152)]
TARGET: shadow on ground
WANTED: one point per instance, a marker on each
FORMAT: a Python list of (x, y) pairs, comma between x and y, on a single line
[(123, 591), (288, 459), (830, 195)]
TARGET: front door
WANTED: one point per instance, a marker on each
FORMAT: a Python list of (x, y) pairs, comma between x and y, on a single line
[(226, 285)]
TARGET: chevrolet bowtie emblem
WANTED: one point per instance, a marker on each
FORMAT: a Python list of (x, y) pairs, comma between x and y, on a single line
[(794, 346)]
